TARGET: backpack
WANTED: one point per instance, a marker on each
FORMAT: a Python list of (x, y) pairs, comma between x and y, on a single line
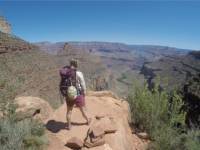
[(68, 83)]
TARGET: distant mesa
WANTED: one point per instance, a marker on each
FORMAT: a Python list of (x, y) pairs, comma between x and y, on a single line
[(4, 25)]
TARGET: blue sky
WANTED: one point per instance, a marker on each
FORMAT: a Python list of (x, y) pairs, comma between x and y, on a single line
[(174, 24)]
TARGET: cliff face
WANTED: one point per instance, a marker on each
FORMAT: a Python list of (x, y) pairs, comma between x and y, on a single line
[(172, 71), (4, 25), (10, 43), (122, 61)]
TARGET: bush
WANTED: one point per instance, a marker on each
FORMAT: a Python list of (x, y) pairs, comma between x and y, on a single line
[(151, 109), (34, 142), (16, 135), (37, 128), (192, 139), (160, 115), (20, 135)]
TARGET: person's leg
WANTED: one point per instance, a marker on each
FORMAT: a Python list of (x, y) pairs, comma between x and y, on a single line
[(85, 114), (68, 115)]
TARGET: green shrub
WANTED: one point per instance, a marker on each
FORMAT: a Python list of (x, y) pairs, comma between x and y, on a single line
[(37, 128), (159, 114), (167, 138), (14, 134), (151, 109), (34, 142), (192, 140), (20, 135)]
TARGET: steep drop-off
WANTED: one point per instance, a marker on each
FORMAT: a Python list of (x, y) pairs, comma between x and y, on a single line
[(172, 71), (26, 70)]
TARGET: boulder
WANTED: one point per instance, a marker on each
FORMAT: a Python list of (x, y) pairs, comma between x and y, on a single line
[(96, 134), (32, 107), (96, 131), (108, 125), (116, 116), (142, 135), (74, 143), (95, 137), (95, 140), (88, 142)]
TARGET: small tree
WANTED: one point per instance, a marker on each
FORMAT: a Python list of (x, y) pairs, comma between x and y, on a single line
[(158, 113)]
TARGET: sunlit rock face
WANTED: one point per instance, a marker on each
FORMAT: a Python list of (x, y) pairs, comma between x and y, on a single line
[(4, 25)]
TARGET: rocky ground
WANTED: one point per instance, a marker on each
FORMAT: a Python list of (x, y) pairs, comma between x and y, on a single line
[(109, 129)]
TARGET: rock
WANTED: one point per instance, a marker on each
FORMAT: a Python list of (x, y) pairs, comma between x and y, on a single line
[(94, 140), (107, 124), (88, 143), (107, 147), (95, 137), (102, 147), (99, 116), (33, 107), (96, 134), (122, 139), (97, 131), (103, 115), (142, 135), (102, 94), (74, 143), (84, 148), (4, 25), (54, 143)]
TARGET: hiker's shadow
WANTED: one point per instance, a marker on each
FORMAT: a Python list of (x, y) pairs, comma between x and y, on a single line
[(56, 126)]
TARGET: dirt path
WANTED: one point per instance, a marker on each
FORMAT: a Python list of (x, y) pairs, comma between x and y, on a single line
[(98, 103)]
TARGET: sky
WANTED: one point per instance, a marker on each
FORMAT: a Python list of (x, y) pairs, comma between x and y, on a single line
[(168, 23)]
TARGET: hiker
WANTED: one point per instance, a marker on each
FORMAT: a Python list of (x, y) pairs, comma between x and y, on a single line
[(73, 88)]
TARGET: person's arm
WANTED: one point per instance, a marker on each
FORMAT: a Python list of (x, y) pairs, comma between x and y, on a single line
[(82, 81)]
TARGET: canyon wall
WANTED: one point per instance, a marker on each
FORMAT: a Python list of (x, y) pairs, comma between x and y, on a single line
[(4, 25)]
